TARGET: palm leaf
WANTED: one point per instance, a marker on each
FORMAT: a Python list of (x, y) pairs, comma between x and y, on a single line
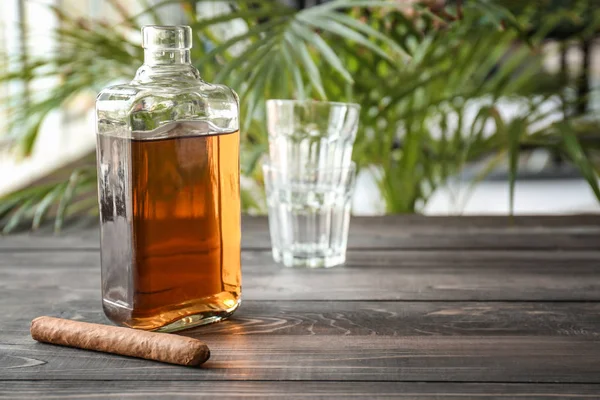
[(404, 71), (314, 76), (577, 155), (514, 133), (323, 48), (343, 31), (365, 29), (44, 205), (17, 216)]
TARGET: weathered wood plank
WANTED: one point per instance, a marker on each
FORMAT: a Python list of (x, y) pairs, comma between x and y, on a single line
[(350, 318), (402, 232), (42, 390), (367, 332), (513, 359), (380, 275), (419, 232), (537, 260)]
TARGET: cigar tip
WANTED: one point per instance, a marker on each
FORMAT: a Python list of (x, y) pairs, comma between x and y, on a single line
[(34, 321), (200, 357), (41, 318), (32, 327)]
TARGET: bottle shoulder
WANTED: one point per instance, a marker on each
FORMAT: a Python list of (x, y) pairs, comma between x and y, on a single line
[(147, 106), (132, 92)]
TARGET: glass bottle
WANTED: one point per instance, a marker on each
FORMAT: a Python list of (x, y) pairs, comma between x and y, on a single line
[(169, 194)]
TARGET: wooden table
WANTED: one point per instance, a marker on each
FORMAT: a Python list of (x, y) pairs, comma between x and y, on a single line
[(457, 308)]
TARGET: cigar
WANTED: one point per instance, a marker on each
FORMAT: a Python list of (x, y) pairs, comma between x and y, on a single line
[(162, 347)]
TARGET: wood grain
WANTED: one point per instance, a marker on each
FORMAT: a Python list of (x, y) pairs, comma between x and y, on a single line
[(514, 359), (360, 318), (428, 308), (45, 390), (400, 231), (379, 275)]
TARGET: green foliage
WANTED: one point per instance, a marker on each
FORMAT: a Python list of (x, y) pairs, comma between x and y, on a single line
[(418, 75), (34, 203)]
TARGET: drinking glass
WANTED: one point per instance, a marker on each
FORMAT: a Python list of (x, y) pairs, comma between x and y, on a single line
[(309, 214), (311, 134)]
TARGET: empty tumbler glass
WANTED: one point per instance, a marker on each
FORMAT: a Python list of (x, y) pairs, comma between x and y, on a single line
[(309, 214), (311, 134)]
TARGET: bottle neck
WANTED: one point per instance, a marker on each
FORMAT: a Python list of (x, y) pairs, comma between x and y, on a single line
[(167, 57), (166, 65)]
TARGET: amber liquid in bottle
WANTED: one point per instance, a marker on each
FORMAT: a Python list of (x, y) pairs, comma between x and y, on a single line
[(184, 202)]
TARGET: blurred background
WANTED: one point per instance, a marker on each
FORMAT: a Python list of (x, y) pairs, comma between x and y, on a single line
[(468, 107)]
